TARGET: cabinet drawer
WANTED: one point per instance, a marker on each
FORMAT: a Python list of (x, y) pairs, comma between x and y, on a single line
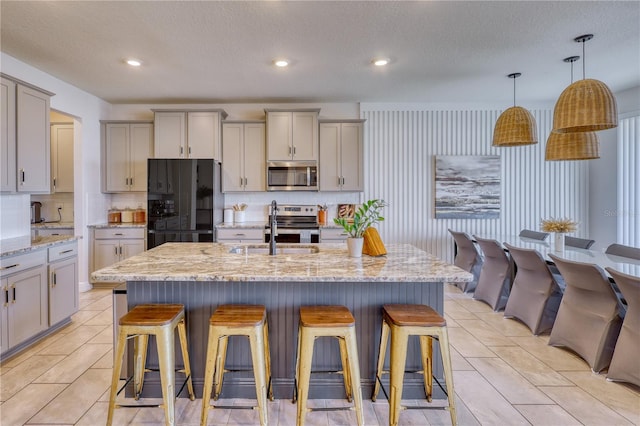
[(240, 234), (11, 265), (58, 231), (333, 234), (119, 233), (63, 251)]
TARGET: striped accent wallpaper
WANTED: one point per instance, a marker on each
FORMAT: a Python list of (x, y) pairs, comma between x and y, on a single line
[(399, 149), (628, 213)]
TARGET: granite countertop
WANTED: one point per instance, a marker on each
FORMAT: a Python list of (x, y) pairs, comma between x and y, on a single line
[(258, 224), (19, 245), (214, 262), (52, 225), (118, 225)]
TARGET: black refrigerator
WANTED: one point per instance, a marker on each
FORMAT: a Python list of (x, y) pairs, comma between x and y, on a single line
[(184, 200)]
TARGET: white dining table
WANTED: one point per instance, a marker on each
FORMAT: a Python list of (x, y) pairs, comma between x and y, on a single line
[(603, 260)]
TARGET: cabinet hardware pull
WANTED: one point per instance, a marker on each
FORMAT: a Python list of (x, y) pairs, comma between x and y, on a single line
[(241, 180), (9, 267), (13, 287), (66, 251), (131, 181), (181, 150), (120, 250), (6, 296), (339, 182), (189, 151), (245, 181), (22, 176), (118, 233), (54, 182), (126, 181), (289, 150), (116, 250), (55, 279), (239, 235), (294, 150)]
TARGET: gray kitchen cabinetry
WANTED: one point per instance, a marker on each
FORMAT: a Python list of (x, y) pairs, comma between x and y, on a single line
[(240, 235), (188, 133), (7, 135), (61, 157), (63, 282), (126, 146), (333, 235), (243, 150), (341, 155), (292, 135), (111, 245), (23, 285)]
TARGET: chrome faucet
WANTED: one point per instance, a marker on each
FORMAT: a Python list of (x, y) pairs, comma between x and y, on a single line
[(273, 224)]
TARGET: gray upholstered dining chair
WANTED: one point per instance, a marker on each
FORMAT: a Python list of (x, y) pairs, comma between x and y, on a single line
[(624, 363), (534, 235), (467, 258), (624, 251), (590, 314), (578, 242), (535, 294), (494, 283)]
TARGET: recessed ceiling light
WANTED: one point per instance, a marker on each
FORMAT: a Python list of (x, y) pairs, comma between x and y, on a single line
[(380, 62), (281, 63), (134, 62)]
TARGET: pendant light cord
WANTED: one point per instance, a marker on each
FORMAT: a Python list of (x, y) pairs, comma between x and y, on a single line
[(583, 60), (514, 91)]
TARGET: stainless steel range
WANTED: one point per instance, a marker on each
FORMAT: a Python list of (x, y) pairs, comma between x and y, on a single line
[(295, 224)]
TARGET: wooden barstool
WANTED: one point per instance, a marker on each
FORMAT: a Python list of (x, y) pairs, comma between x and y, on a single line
[(413, 320), (332, 321), (159, 321), (238, 320)]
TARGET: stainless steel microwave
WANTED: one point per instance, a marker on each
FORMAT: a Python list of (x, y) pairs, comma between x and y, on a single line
[(292, 176)]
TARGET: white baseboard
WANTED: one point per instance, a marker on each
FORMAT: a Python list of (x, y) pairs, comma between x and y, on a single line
[(84, 286)]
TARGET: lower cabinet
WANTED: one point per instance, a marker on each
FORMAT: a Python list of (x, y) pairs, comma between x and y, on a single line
[(111, 245), (241, 235), (63, 282), (333, 235)]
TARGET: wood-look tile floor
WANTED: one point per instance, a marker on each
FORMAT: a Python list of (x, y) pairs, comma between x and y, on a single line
[(503, 376)]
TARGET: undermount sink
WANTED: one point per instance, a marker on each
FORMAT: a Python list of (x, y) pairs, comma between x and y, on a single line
[(280, 249)]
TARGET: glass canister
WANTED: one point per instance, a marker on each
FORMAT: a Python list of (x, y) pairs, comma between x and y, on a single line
[(127, 215), (139, 215), (114, 216)]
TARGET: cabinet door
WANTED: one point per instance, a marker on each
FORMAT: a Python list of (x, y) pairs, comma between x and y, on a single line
[(105, 253), (7, 136), (62, 158), (117, 157), (4, 309), (28, 306), (255, 166), (330, 176), (279, 136), (351, 157), (203, 135), (305, 136), (233, 157), (169, 135), (63, 289), (140, 150), (130, 248), (33, 146)]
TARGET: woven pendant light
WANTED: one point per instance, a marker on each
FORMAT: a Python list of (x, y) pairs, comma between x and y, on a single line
[(515, 126), (572, 146), (586, 105)]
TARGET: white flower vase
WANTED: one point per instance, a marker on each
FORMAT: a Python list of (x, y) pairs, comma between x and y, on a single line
[(354, 245), (558, 242)]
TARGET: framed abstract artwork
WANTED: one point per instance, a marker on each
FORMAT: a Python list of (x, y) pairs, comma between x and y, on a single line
[(467, 187)]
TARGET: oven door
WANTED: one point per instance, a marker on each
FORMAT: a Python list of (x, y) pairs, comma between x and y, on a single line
[(294, 236)]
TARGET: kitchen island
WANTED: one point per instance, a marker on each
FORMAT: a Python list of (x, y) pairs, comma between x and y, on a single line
[(204, 275)]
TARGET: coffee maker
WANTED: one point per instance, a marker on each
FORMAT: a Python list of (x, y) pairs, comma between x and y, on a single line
[(36, 206)]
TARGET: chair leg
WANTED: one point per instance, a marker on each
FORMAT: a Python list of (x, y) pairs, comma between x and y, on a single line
[(220, 361), (182, 333), (212, 354), (399, 339), (384, 338), (140, 345), (426, 352), (166, 360), (354, 373), (267, 360), (304, 372), (256, 341), (296, 380), (344, 355), (448, 372), (115, 376)]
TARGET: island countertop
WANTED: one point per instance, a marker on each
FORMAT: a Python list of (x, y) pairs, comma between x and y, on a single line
[(215, 262)]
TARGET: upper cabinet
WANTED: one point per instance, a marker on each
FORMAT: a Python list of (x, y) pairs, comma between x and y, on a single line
[(24, 139), (126, 146), (341, 155), (243, 150), (188, 134), (62, 157), (292, 135)]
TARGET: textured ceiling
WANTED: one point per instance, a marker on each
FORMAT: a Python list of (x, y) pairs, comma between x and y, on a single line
[(222, 51)]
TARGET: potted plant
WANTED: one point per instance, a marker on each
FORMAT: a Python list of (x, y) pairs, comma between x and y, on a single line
[(365, 216)]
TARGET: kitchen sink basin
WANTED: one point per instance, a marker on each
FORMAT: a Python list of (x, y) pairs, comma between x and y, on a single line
[(280, 249)]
